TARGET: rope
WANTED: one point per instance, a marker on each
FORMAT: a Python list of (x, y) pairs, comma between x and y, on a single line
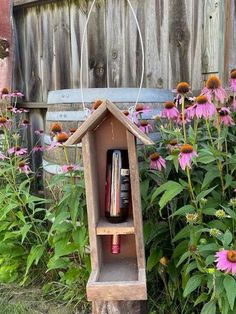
[(82, 49)]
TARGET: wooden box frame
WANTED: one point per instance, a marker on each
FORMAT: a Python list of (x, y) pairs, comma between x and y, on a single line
[(122, 276)]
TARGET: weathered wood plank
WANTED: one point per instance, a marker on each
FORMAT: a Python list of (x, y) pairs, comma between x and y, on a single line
[(62, 45), (5, 44), (33, 78), (46, 49), (96, 41), (149, 95), (213, 37)]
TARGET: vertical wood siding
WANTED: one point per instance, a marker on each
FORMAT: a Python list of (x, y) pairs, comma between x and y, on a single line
[(183, 39)]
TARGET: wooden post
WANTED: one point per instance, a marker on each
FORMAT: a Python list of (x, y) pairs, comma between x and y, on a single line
[(5, 44)]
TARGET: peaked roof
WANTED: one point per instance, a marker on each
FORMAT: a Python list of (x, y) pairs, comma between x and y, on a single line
[(97, 117)]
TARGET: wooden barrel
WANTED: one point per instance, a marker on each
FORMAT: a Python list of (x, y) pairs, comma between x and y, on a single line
[(65, 107)]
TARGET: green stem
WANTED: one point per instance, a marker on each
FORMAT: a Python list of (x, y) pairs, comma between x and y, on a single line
[(209, 132), (195, 130), (183, 122), (190, 184)]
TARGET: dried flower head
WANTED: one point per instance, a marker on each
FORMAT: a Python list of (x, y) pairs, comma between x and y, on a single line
[(62, 137), (183, 88), (192, 248), (192, 217), (213, 82), (173, 142), (56, 127), (164, 261), (96, 104)]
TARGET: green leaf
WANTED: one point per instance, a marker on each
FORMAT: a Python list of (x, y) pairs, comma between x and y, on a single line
[(170, 189), (60, 219), (153, 258), (205, 193), (202, 298), (209, 177), (228, 180), (230, 212), (192, 284), (205, 157), (23, 231), (184, 210), (230, 288), (209, 308), (34, 256), (183, 258), (227, 238)]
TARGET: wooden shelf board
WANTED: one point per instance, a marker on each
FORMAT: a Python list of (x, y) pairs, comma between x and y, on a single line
[(104, 227), (118, 280)]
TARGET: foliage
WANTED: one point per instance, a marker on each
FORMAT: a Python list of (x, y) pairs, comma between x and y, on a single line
[(189, 213), (41, 241)]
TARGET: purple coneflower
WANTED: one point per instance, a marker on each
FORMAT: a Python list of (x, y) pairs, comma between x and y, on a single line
[(38, 148), (59, 139), (133, 118), (145, 126), (140, 108), (2, 157), (39, 132), (157, 162), (185, 156), (18, 151), (170, 112), (233, 80), (25, 123), (183, 119), (173, 145), (203, 108), (213, 89), (56, 128), (23, 167), (16, 94), (225, 117), (5, 122), (226, 260), (97, 104), (72, 131), (69, 168), (5, 93)]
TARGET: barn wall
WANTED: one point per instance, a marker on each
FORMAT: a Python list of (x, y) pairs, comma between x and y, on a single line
[(183, 40)]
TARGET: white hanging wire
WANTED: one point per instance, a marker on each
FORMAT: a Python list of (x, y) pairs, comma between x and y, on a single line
[(81, 58), (82, 53), (142, 48)]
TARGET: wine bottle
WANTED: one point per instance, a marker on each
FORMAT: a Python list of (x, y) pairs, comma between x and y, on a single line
[(117, 186), (115, 244)]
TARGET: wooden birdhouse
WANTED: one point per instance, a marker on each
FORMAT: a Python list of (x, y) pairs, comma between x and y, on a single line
[(117, 248)]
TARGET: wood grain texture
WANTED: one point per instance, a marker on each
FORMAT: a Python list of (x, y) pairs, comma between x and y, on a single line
[(213, 37), (178, 36), (136, 199), (92, 199)]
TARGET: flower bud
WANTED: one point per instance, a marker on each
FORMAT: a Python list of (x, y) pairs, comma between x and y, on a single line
[(192, 217), (220, 213), (215, 232)]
